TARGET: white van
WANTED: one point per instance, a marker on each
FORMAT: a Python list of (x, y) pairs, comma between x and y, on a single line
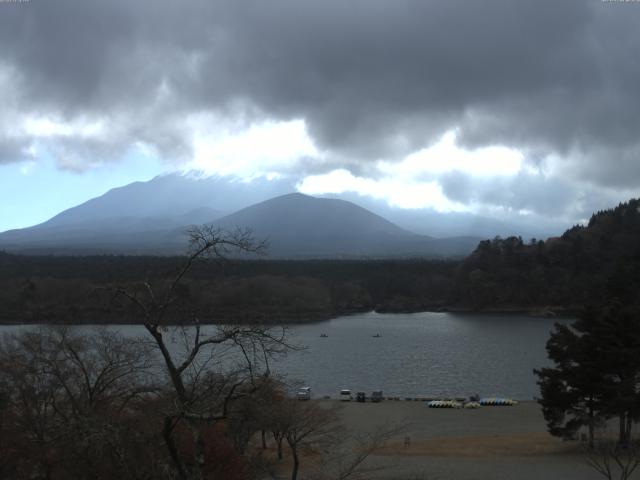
[(345, 395), (304, 393)]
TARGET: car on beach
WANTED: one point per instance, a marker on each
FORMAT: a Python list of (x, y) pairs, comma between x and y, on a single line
[(345, 395), (304, 393)]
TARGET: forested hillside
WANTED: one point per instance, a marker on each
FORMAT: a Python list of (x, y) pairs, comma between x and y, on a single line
[(67, 289), (584, 265)]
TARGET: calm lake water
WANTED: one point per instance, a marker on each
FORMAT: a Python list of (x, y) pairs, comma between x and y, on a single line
[(423, 354), (420, 354)]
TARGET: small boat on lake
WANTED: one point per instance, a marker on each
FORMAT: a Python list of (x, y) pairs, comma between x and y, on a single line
[(324, 335), (377, 335)]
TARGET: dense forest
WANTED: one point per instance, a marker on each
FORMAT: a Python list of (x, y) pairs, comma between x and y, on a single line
[(559, 275), (69, 289), (586, 265)]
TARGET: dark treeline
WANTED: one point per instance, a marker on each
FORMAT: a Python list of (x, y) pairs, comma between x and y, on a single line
[(67, 289), (587, 264)]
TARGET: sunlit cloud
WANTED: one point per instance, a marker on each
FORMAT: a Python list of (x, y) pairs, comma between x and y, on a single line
[(395, 191), (45, 127), (416, 181), (445, 156), (263, 149)]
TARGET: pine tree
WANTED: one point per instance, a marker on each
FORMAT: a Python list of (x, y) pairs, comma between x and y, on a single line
[(596, 374)]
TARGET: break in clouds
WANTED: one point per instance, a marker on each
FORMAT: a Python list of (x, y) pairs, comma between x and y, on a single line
[(357, 88)]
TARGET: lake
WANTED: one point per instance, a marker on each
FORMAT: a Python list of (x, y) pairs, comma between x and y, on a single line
[(419, 354)]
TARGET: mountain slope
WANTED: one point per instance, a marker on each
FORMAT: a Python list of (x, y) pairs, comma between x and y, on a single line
[(311, 216), (297, 225), (171, 196), (138, 217)]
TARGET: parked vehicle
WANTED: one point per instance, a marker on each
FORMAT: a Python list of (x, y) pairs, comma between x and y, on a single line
[(345, 395), (376, 396), (361, 397), (304, 393)]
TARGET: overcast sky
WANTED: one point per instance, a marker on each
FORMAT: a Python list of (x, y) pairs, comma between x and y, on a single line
[(503, 108)]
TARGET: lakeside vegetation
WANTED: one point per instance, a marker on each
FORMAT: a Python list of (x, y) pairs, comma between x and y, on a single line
[(101, 406), (585, 266), (66, 289)]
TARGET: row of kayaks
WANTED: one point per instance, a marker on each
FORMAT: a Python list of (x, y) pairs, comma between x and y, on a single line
[(324, 335), (492, 401), (497, 401), (451, 404)]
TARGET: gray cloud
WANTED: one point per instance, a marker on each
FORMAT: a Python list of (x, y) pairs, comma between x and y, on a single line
[(372, 78), (12, 150), (526, 191), (540, 197)]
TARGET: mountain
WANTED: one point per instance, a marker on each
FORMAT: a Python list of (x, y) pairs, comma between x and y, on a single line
[(300, 225), (148, 212), (115, 234), (172, 197), (295, 226), (137, 217), (180, 199)]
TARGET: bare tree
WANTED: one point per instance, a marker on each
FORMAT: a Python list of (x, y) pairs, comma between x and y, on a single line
[(30, 407), (216, 365), (612, 460), (317, 426), (5, 457), (345, 458), (67, 396), (306, 424)]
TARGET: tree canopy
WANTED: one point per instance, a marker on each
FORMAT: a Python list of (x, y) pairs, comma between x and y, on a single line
[(596, 374)]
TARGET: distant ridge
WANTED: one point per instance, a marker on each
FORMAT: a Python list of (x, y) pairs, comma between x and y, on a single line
[(171, 196), (312, 216), (295, 226), (301, 225)]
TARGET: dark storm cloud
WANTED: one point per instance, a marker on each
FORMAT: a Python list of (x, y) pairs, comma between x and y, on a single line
[(540, 198), (524, 191), (12, 150), (372, 78)]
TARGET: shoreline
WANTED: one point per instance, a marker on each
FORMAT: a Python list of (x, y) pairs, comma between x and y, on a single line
[(547, 312), (498, 443)]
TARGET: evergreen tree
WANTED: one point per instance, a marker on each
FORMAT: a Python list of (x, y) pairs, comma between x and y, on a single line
[(617, 331), (596, 374), (572, 392)]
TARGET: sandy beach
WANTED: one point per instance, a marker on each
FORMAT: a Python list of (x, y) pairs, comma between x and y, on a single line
[(486, 443)]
